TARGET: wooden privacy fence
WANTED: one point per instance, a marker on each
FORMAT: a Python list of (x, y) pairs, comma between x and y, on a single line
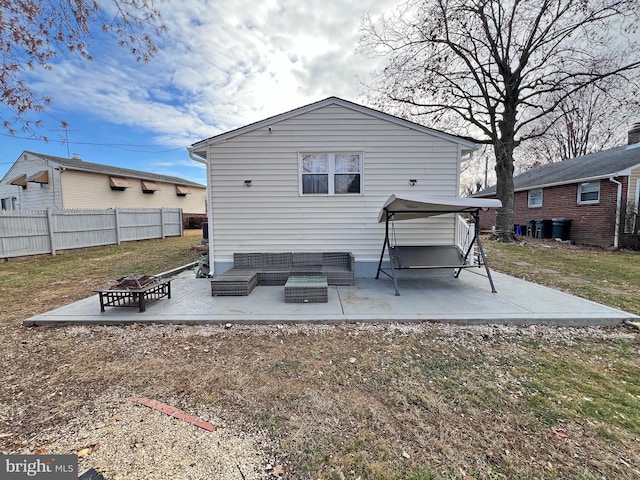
[(46, 231)]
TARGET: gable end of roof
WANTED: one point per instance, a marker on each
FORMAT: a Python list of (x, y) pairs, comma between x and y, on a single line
[(465, 143)]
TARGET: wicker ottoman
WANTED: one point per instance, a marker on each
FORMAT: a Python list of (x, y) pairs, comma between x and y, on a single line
[(307, 289), (236, 284)]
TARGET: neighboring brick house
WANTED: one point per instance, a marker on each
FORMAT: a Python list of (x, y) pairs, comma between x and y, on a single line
[(39, 181), (595, 192)]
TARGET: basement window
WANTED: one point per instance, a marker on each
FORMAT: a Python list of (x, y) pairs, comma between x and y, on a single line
[(589, 192)]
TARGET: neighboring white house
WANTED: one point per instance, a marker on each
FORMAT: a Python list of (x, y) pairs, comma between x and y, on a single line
[(315, 179), (39, 181)]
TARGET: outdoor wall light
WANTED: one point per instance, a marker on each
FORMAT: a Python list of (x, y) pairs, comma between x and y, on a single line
[(412, 182), (247, 183)]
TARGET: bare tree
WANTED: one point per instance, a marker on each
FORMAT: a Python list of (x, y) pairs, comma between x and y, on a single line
[(476, 172), (499, 66), (591, 120), (33, 33)]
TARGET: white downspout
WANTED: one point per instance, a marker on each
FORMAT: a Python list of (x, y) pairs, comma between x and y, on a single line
[(618, 209), (195, 158)]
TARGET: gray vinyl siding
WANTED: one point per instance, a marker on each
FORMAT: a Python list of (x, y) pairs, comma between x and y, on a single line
[(272, 216), (631, 190), (34, 197)]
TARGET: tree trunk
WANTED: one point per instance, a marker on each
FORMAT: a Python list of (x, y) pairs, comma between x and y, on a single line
[(504, 188)]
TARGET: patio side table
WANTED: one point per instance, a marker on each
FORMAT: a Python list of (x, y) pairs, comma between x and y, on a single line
[(306, 289)]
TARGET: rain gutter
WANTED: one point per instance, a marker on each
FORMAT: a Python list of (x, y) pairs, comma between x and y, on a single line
[(616, 236), (209, 206)]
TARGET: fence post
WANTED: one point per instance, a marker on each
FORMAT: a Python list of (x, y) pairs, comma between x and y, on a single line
[(162, 222), (116, 212), (51, 232)]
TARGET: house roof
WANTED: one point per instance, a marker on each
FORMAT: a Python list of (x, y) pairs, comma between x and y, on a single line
[(615, 162), (80, 165), (467, 144)]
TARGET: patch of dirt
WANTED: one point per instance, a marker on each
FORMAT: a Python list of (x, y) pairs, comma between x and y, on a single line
[(280, 393)]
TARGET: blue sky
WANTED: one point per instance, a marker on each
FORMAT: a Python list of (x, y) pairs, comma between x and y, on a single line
[(221, 65)]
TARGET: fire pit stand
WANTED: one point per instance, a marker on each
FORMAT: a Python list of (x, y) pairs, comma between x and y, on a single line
[(135, 291)]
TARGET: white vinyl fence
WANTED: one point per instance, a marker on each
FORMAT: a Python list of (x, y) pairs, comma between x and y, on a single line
[(46, 231)]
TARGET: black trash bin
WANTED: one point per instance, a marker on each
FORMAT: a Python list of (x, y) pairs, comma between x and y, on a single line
[(531, 228), (205, 230), (561, 228), (543, 228)]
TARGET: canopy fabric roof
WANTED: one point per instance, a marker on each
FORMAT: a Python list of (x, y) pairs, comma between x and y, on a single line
[(405, 207)]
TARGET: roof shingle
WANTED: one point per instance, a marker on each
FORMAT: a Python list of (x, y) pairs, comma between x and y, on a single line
[(81, 165), (607, 163)]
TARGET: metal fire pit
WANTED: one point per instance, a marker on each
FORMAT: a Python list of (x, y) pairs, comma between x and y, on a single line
[(134, 291)]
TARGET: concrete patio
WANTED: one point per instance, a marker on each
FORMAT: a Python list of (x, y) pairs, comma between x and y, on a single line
[(466, 300)]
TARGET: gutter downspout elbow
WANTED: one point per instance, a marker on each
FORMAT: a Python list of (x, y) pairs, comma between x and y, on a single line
[(616, 236), (195, 158)]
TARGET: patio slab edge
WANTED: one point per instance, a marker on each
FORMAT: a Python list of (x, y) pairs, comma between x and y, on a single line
[(548, 320)]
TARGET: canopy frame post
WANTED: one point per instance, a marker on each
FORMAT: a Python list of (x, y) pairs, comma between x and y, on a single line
[(387, 244)]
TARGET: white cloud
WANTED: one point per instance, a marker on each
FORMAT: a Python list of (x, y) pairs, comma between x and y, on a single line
[(221, 65)]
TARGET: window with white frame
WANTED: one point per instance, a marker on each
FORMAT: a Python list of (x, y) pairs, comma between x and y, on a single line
[(589, 192), (535, 198), (330, 173)]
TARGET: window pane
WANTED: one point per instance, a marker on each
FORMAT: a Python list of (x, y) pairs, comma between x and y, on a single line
[(315, 184), (535, 197), (347, 183), (347, 163), (314, 164), (589, 196), (590, 192)]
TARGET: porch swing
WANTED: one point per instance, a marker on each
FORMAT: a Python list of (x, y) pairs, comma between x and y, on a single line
[(422, 257)]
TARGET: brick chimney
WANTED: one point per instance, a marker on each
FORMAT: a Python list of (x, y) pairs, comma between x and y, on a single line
[(634, 134)]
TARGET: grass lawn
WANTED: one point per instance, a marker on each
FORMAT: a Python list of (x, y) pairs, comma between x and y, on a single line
[(610, 278), (383, 402)]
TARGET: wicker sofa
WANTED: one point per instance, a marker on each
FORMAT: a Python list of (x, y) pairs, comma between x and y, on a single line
[(252, 269)]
